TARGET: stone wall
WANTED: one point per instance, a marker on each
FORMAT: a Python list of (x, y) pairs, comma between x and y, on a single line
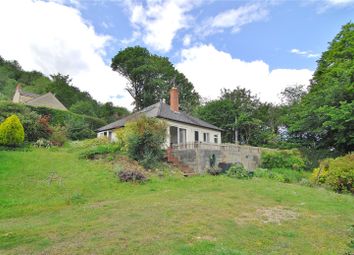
[(198, 155)]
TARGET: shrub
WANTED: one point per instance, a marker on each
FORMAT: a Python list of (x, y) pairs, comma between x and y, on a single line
[(282, 159), (59, 135), (131, 176), (338, 173), (12, 132), (101, 149), (43, 143), (215, 171), (78, 126), (238, 171), (281, 174), (142, 140)]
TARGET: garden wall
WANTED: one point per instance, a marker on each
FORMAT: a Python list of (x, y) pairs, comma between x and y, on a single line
[(198, 156)]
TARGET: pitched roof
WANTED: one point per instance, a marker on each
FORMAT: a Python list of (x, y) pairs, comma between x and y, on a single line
[(160, 110), (47, 100), (26, 94)]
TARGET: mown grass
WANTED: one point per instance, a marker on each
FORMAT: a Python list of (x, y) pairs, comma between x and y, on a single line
[(53, 202)]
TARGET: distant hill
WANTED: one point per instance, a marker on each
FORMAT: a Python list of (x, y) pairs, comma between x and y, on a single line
[(11, 74)]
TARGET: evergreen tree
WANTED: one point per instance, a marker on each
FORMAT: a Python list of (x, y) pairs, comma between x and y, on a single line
[(12, 132)]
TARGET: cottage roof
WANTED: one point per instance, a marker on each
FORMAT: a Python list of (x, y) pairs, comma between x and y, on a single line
[(160, 110)]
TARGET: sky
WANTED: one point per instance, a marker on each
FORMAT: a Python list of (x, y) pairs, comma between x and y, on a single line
[(263, 46)]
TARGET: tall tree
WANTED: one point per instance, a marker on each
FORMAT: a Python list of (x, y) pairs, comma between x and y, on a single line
[(293, 94), (151, 77), (324, 117), (241, 115)]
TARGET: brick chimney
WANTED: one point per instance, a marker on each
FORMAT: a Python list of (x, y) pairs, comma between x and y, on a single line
[(174, 104)]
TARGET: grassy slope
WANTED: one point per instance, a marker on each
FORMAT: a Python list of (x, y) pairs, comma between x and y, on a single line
[(86, 211)]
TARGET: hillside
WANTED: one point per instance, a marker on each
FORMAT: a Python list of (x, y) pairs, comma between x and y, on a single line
[(76, 206), (75, 100)]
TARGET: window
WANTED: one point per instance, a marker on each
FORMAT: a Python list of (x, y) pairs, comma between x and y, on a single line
[(173, 135), (196, 136), (206, 137), (182, 135), (215, 138), (105, 134), (110, 135)]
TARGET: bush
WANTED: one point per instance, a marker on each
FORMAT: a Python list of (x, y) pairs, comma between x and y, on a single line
[(238, 171), (101, 149), (215, 171), (142, 139), (131, 176), (78, 126), (337, 173), (290, 159), (12, 132), (43, 143), (59, 135), (281, 174)]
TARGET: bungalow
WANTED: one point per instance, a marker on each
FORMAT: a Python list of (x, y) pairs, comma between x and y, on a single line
[(182, 127)]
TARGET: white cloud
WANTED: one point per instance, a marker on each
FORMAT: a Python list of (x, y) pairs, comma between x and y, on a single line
[(308, 54), (50, 37), (339, 2), (159, 21), (233, 19), (187, 39), (211, 70), (325, 5)]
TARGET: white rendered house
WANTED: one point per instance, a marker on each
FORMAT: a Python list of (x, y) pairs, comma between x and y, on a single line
[(182, 127)]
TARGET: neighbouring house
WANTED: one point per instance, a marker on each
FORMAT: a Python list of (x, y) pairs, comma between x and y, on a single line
[(46, 100), (182, 127)]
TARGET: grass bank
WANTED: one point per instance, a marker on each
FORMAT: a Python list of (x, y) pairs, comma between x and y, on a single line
[(52, 202)]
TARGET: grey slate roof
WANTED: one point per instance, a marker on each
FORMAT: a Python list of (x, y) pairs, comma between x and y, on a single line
[(160, 110)]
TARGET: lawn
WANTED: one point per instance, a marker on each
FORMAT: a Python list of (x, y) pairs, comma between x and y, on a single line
[(52, 202)]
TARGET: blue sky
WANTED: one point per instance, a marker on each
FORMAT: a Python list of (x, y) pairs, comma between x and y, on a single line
[(260, 45)]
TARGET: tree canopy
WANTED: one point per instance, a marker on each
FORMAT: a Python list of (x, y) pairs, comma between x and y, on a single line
[(81, 102), (239, 112), (324, 117), (151, 77)]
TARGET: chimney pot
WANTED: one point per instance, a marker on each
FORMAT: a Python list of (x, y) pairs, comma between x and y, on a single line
[(174, 103)]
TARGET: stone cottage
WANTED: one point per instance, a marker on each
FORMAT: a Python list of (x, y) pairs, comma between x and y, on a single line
[(47, 100)]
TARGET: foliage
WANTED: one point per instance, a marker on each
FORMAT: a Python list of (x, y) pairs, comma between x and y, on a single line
[(151, 77), (100, 149), (12, 132), (131, 176), (43, 143), (323, 118), (337, 173), (291, 159), (238, 111), (214, 171), (281, 174), (238, 171), (37, 121), (293, 94), (79, 102), (142, 139), (59, 135)]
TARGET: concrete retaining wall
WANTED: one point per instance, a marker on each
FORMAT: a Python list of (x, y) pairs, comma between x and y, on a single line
[(198, 155)]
